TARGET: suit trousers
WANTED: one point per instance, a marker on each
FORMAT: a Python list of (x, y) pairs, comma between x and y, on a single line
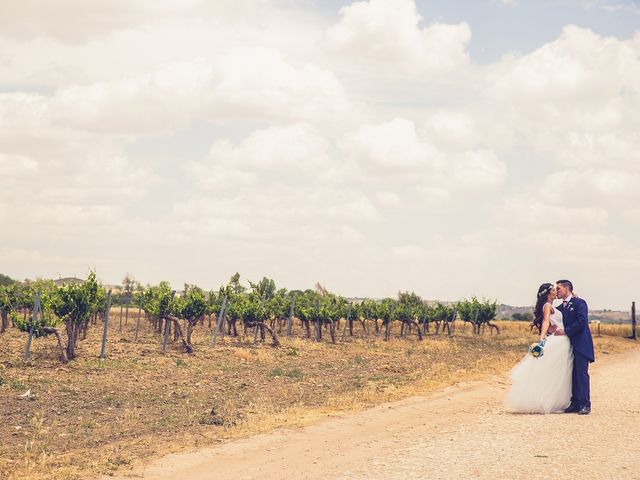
[(580, 395)]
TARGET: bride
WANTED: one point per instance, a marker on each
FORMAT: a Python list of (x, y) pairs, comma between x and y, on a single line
[(543, 384)]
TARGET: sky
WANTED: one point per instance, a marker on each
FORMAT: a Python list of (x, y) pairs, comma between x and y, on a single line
[(475, 147)]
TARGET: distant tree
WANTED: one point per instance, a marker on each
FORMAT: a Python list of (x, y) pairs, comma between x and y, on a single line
[(528, 316), (234, 284), (265, 288), (129, 285), (320, 289), (5, 280), (517, 316)]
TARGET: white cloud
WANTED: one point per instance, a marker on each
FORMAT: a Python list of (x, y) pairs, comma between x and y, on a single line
[(476, 169), (259, 82), (575, 99), (387, 35), (393, 147), (575, 102), (73, 20), (408, 252), (71, 215), (161, 101), (388, 199), (535, 212), (244, 83), (16, 165), (350, 235), (14, 256), (370, 151), (280, 150), (397, 149), (569, 71), (278, 213), (81, 44), (454, 129), (606, 187)]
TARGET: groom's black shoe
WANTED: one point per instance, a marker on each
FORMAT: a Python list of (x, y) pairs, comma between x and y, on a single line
[(572, 409), (584, 411)]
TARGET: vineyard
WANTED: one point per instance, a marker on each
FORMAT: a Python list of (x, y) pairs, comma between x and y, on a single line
[(150, 371), (67, 312)]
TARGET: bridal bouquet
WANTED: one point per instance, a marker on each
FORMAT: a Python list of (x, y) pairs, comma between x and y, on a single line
[(537, 349)]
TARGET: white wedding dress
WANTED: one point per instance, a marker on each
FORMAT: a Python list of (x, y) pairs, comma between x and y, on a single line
[(543, 385)]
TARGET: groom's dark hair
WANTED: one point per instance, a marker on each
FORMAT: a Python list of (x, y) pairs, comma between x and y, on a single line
[(566, 283)]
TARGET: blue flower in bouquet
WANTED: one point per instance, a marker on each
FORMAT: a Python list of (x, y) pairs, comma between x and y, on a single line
[(537, 349)]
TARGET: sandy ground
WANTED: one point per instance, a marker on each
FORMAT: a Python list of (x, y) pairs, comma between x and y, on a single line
[(461, 433)]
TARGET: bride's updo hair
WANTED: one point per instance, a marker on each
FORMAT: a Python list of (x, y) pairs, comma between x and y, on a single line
[(543, 293)]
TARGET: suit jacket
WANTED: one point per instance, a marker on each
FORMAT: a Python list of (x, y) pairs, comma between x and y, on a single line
[(576, 327)]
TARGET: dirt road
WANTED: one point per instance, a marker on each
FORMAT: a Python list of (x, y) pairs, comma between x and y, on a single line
[(460, 433)]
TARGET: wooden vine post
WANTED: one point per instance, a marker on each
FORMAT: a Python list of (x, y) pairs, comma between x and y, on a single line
[(167, 326), (257, 326), (121, 307), (318, 322), (106, 327), (36, 309), (346, 322), (219, 321), (290, 319), (475, 323), (453, 322), (255, 331), (138, 322), (633, 320), (126, 315)]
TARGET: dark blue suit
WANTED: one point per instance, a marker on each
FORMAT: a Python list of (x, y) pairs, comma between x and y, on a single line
[(576, 327)]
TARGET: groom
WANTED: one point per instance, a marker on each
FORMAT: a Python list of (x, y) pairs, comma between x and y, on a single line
[(576, 326)]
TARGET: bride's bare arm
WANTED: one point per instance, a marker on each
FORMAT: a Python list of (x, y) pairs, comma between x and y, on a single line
[(546, 312)]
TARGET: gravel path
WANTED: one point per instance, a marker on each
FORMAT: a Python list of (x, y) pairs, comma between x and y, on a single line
[(459, 433)]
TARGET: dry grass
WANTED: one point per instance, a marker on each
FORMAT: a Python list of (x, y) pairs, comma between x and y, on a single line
[(88, 417), (611, 329)]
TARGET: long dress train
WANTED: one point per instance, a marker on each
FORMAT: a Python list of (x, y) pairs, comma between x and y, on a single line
[(543, 385)]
